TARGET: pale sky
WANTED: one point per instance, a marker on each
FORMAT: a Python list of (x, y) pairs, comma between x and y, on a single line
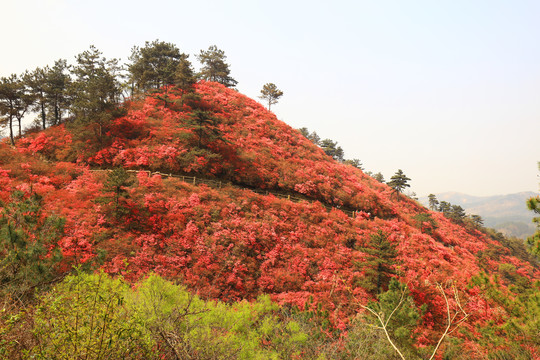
[(448, 91)]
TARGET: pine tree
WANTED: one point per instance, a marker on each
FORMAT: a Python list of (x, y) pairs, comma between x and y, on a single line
[(184, 76), (56, 91), (433, 202), (271, 93), (95, 91), (154, 65), (354, 162), (28, 245), (116, 193), (14, 102), (204, 125), (214, 67), (477, 221), (399, 182), (332, 149), (379, 177), (36, 81), (445, 207), (379, 266), (457, 213)]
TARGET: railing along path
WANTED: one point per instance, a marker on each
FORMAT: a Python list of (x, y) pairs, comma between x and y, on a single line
[(218, 184)]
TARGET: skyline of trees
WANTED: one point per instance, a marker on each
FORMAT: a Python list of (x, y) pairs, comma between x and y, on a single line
[(92, 86)]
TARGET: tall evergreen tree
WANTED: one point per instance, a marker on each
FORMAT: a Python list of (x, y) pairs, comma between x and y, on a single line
[(154, 65), (457, 213), (477, 221), (214, 66), (271, 93), (379, 177), (15, 100), (399, 181), (313, 137), (445, 207), (116, 193), (332, 149), (433, 202), (184, 76), (58, 83), (36, 81), (379, 265), (95, 90), (204, 125), (10, 92)]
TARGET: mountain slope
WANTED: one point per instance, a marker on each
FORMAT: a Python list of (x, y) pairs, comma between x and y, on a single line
[(505, 213), (233, 242)]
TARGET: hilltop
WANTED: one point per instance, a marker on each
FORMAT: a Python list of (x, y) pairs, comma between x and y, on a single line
[(241, 236)]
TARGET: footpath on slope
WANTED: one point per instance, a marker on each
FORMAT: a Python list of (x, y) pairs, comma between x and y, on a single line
[(218, 184)]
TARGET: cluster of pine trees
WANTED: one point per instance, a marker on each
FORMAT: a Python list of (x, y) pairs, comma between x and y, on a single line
[(91, 89)]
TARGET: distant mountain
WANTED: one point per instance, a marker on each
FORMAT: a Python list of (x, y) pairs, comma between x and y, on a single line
[(505, 213)]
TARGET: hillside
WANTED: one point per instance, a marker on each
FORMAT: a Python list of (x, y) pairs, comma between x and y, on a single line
[(239, 239), (505, 213)]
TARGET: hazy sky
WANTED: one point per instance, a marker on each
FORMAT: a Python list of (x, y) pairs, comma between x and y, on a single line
[(448, 91)]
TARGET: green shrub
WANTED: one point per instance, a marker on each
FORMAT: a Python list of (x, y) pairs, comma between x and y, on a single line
[(85, 317), (189, 327)]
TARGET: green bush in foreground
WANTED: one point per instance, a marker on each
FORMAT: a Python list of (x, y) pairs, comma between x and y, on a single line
[(85, 317), (94, 316)]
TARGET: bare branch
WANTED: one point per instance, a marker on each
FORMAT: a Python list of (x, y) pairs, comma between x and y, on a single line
[(450, 319)]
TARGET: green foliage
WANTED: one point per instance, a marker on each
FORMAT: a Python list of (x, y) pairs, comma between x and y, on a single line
[(97, 317), (313, 137), (379, 265), (116, 193), (433, 202), (332, 149), (354, 162), (516, 330), (184, 76), (453, 212), (187, 327), (95, 90), (36, 81), (399, 181), (154, 65), (214, 66), (477, 221), (366, 341), (28, 249), (15, 100), (205, 126), (85, 317), (56, 91), (271, 93), (397, 314), (379, 177), (425, 223)]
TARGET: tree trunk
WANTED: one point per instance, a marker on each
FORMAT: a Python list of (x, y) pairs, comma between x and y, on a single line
[(20, 126), (43, 115), (11, 129)]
